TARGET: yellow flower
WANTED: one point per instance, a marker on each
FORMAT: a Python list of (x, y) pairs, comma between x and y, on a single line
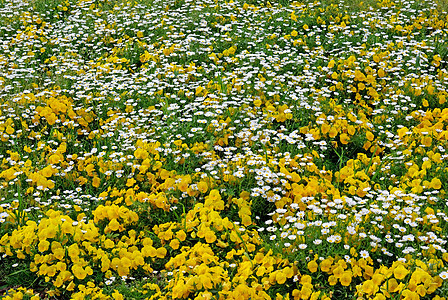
[(351, 130), (391, 284), (67, 227), (122, 270), (400, 272), (105, 264), (61, 266), (427, 141), (73, 251), (198, 91), (306, 291), (370, 79), (409, 295), (210, 236), (114, 225), (445, 256), (421, 290), (246, 220), (214, 200), (174, 244), (47, 171), (59, 253), (333, 132), (126, 262), (379, 297), (181, 235), (337, 272), (280, 277), (108, 244), (359, 76), (368, 287), (436, 184), (79, 272), (377, 279), (293, 16), (141, 153), (183, 185), (71, 286), (370, 136), (130, 182), (312, 266), (51, 271), (346, 278), (116, 294), (96, 181), (43, 245), (55, 158), (344, 138), (325, 265), (332, 280), (51, 118), (149, 250), (161, 252), (202, 187), (206, 281)]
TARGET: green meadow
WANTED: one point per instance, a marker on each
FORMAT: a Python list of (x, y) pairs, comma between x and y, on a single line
[(208, 149)]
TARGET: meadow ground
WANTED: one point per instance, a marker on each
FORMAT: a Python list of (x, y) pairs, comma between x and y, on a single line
[(199, 149)]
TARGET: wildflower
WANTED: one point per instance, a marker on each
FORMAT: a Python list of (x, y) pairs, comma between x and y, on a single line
[(444, 275), (210, 236), (280, 277), (400, 272), (364, 253), (43, 245), (369, 287), (325, 265), (114, 225), (312, 266), (346, 278), (79, 272)]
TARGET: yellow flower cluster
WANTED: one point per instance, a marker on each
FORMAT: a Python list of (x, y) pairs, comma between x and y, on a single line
[(223, 149), (20, 293)]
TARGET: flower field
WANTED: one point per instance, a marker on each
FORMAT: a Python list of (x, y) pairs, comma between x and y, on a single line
[(208, 149)]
